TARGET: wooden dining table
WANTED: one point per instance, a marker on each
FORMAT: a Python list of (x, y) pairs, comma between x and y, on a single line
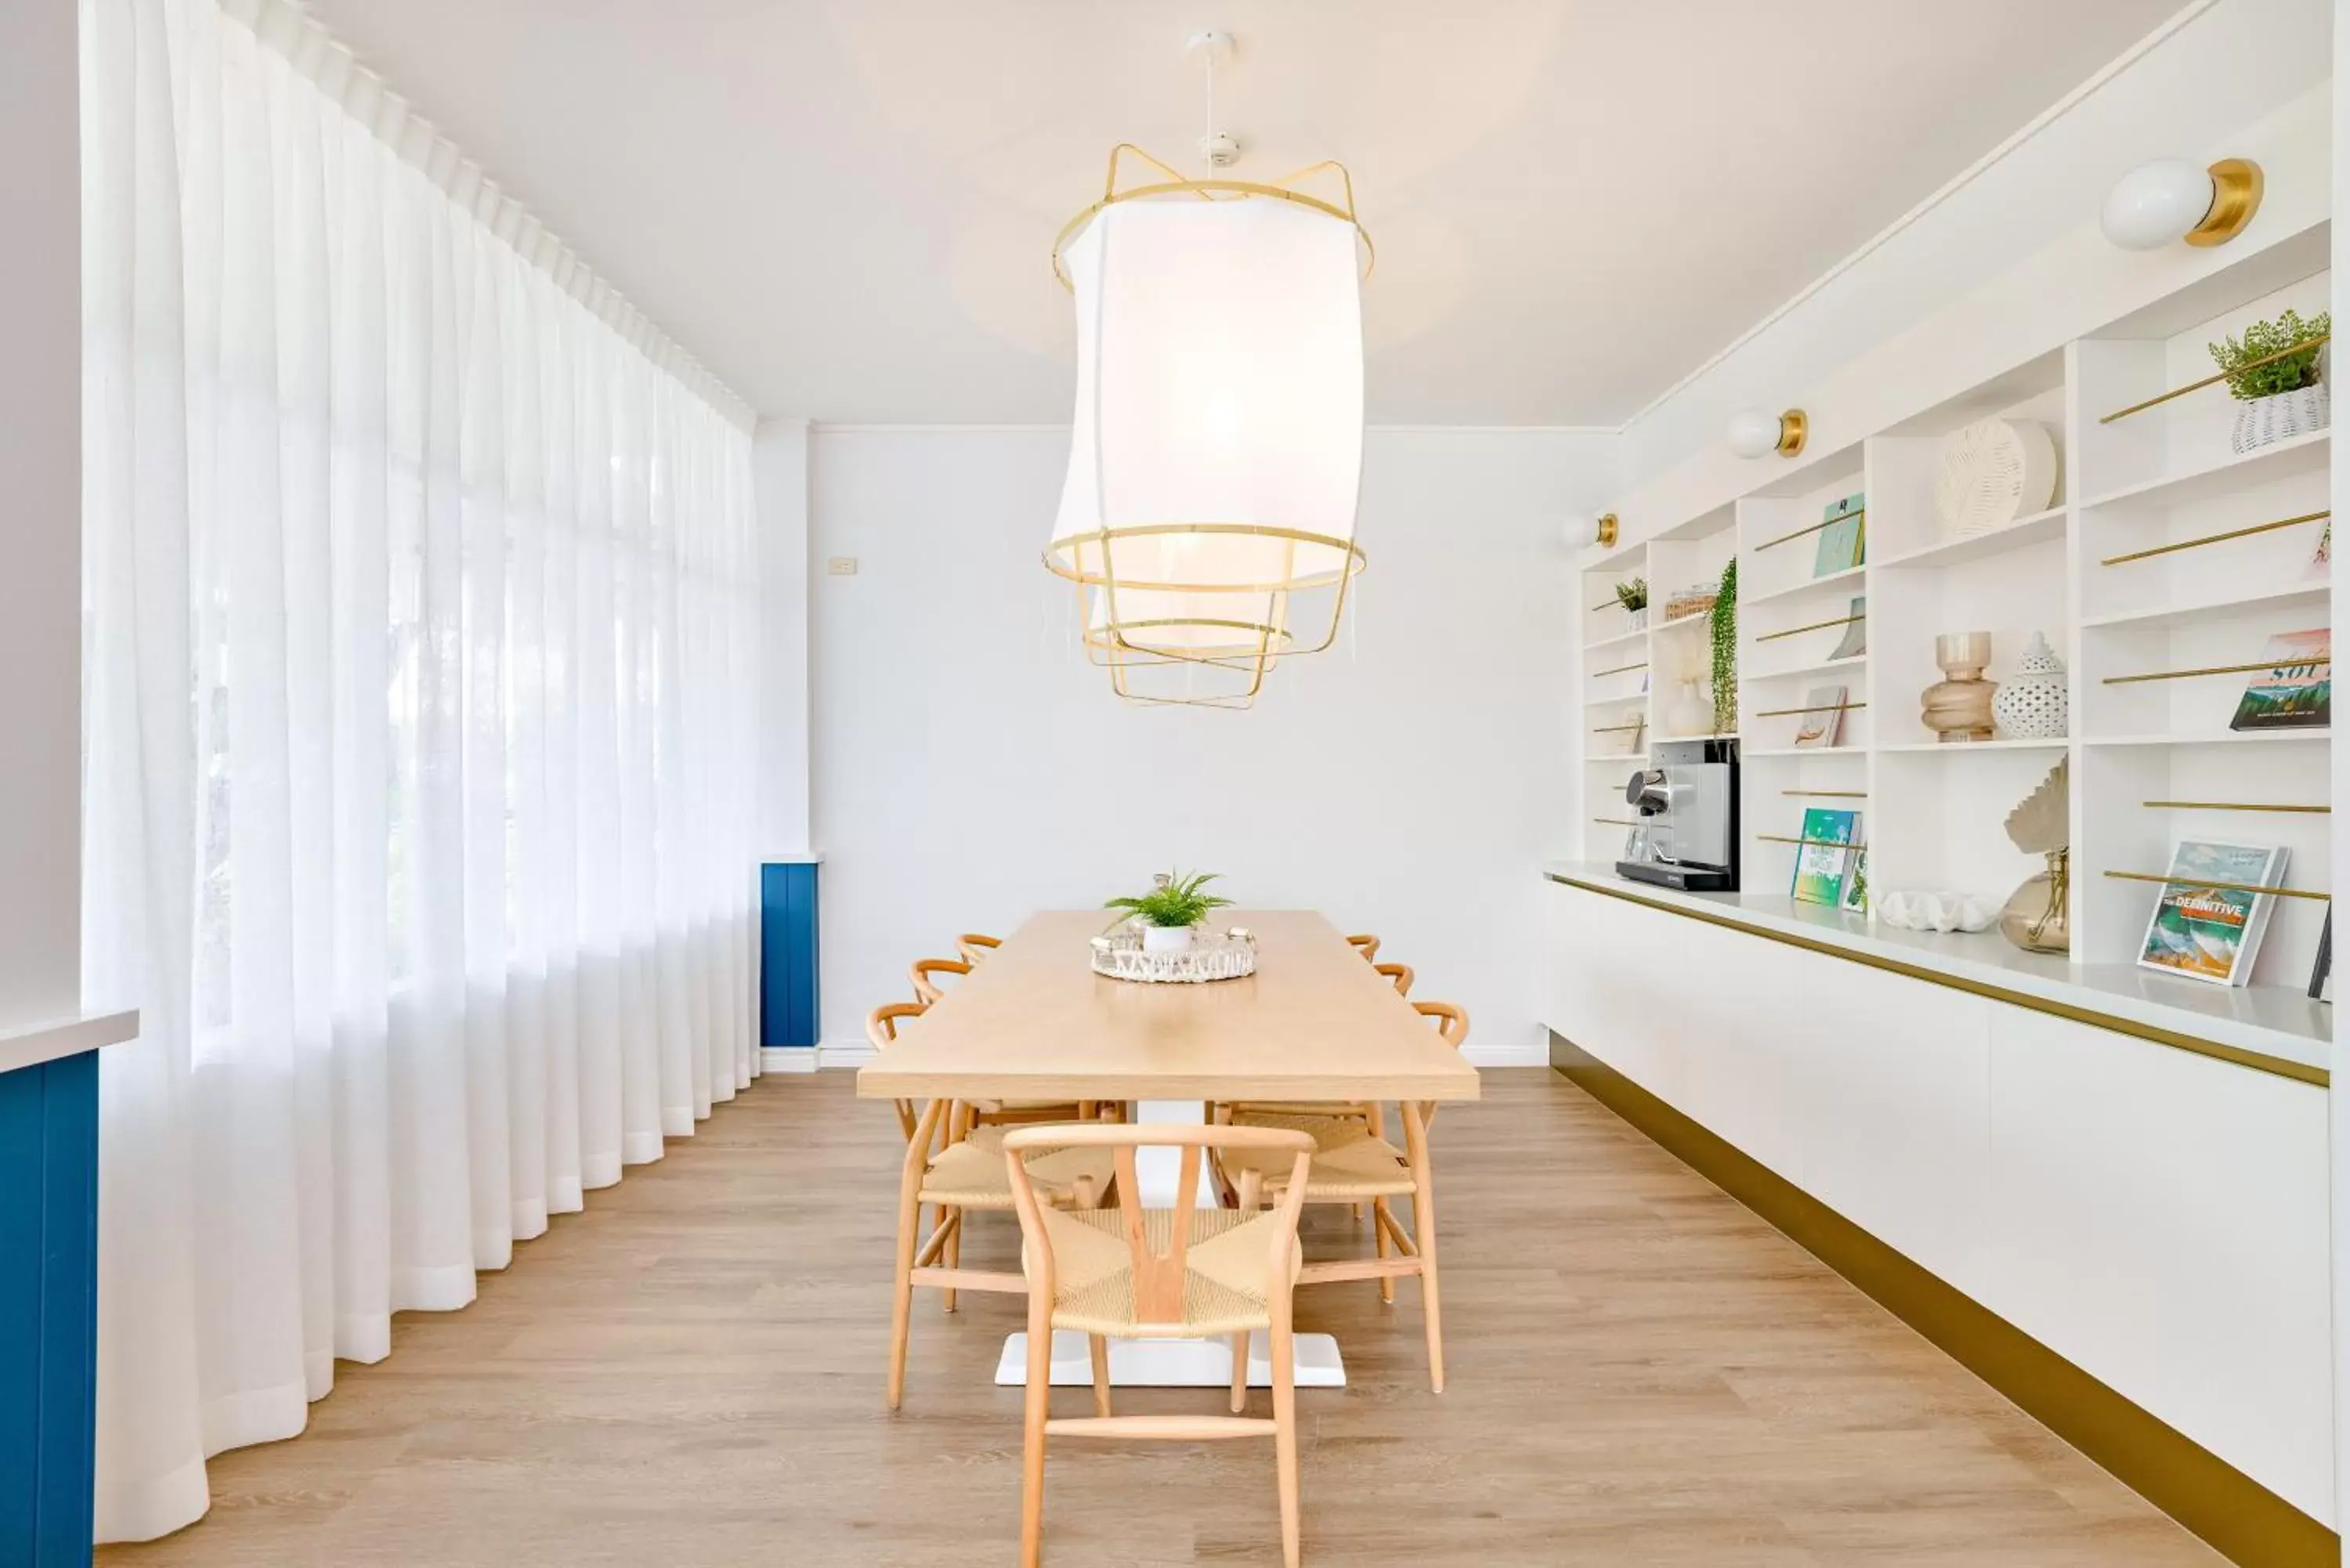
[(1034, 1022)]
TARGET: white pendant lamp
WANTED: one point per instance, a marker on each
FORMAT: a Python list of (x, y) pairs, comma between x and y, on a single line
[(1208, 517), (2173, 199)]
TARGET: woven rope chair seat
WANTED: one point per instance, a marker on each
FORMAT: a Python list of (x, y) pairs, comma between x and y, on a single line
[(971, 1174), (1225, 1262), (1348, 1165)]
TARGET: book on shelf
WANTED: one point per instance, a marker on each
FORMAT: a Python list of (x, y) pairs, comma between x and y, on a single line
[(1844, 543), (1821, 723), (1855, 900), (2207, 923), (1854, 641), (1824, 859), (2296, 691)]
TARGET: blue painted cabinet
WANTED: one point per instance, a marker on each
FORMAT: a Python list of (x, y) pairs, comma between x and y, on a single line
[(48, 1310), (788, 1013)]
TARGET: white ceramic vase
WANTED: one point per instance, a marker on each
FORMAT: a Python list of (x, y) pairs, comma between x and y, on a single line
[(1639, 619), (1166, 938), (2261, 420), (2033, 704), (1689, 713)]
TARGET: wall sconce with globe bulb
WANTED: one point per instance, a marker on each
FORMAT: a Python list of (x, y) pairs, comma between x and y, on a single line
[(1755, 433), (2178, 199)]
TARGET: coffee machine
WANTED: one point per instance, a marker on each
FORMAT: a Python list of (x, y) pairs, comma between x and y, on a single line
[(1687, 802)]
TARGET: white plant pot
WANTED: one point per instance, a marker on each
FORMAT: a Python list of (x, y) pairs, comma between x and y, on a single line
[(1639, 619), (2261, 420), (1166, 938)]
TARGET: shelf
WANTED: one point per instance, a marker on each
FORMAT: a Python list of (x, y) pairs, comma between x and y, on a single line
[(1615, 757), (1824, 666), (2279, 460), (2224, 738), (2021, 534), (1611, 701), (1725, 735), (1805, 586), (1804, 752), (1940, 747), (2312, 593), (1698, 619), (1612, 641)]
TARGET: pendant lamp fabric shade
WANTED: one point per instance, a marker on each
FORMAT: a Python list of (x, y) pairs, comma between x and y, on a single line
[(1209, 512)]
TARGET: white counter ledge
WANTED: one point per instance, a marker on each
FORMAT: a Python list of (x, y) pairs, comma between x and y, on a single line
[(29, 1045), (2268, 1027)]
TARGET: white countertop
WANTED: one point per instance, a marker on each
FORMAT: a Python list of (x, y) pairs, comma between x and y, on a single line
[(30, 1044), (2272, 1021)]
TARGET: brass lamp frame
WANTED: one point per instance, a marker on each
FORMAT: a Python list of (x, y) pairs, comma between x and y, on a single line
[(1257, 645)]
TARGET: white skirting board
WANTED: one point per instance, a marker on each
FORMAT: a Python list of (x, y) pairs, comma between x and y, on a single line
[(855, 1054)]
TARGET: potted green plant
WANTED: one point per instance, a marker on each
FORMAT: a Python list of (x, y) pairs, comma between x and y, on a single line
[(2277, 372), (1171, 911), (1633, 597)]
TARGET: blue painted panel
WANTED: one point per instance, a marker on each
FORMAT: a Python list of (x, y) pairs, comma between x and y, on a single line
[(48, 1307), (788, 1011)]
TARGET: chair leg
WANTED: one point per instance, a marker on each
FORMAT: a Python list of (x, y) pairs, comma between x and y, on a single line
[(952, 1255), (901, 1309), (1423, 1227), (1386, 1249), (1100, 1348), (1038, 1407), (1239, 1372), (1285, 1433)]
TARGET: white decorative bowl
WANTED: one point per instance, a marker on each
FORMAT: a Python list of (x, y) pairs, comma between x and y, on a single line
[(1935, 911), (1993, 472)]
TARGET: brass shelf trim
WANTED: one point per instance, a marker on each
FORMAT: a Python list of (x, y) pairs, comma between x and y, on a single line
[(2231, 886), (2217, 538), (2286, 353), (2257, 1061), (1824, 843), (1818, 708), (1612, 729), (1830, 794), (1619, 669), (2189, 674), (1815, 625), (2233, 805), (1800, 532), (1617, 820)]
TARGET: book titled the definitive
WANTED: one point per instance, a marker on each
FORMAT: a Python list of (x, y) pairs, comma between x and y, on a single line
[(2207, 921)]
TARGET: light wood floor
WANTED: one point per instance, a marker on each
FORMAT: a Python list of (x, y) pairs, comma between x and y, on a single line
[(689, 1374)]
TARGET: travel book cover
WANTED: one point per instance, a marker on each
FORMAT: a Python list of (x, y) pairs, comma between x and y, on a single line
[(1825, 856), (2296, 691), (1844, 543), (1822, 721), (2205, 925)]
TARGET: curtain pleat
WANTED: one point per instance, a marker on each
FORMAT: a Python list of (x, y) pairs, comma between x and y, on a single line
[(422, 610)]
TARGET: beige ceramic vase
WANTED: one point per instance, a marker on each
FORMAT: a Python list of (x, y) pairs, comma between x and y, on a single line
[(1958, 707)]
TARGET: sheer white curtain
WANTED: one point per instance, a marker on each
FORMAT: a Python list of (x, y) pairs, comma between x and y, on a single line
[(421, 612)]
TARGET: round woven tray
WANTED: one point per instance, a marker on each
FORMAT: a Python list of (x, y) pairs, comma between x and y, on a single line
[(1222, 955)]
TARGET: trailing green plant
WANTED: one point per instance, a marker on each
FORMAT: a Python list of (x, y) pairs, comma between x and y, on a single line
[(1634, 594), (1177, 901), (1721, 622), (2247, 378)]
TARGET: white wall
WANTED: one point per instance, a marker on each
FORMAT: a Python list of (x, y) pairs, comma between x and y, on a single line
[(40, 510), (2228, 65), (970, 767), (779, 464)]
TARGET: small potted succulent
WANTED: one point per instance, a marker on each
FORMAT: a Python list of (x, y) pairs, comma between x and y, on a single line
[(2281, 390), (1633, 597), (1171, 913)]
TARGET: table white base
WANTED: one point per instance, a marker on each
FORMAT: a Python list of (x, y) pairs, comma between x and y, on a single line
[(1171, 1362)]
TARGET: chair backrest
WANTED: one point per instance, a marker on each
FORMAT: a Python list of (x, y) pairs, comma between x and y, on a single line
[(881, 1029), (921, 970), (1451, 1019), (1158, 1275), (1365, 944), (974, 946), (1398, 972)]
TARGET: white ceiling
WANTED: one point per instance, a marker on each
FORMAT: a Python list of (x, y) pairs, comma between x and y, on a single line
[(844, 207)]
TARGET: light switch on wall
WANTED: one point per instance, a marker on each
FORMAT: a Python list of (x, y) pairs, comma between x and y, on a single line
[(841, 566)]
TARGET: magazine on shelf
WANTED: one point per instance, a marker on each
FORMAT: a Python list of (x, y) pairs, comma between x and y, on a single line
[(2295, 692), (1824, 859), (1821, 723), (1844, 543), (2206, 923)]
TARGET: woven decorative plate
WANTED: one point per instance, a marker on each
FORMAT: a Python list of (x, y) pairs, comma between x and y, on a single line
[(1993, 472), (1222, 955)]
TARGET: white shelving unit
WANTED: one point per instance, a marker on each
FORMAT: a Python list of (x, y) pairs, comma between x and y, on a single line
[(2152, 761)]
